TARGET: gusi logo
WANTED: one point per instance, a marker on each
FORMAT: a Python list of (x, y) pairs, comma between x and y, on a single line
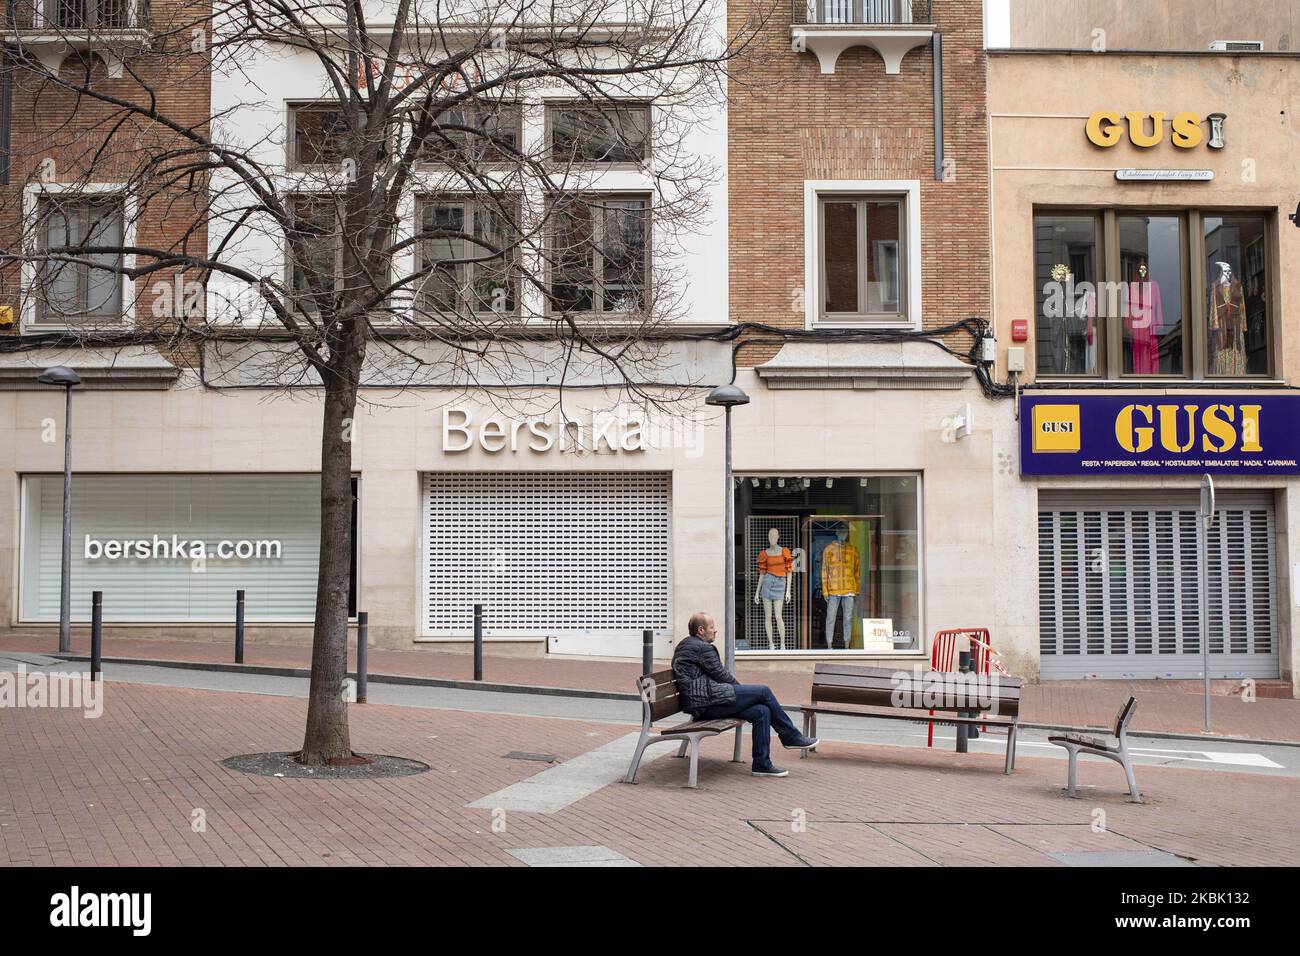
[(1056, 429), (1220, 428)]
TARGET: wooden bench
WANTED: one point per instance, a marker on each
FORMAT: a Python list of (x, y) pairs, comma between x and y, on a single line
[(1076, 744), (659, 699), (911, 695)]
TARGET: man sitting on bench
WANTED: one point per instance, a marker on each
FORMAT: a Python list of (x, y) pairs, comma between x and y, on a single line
[(710, 692)]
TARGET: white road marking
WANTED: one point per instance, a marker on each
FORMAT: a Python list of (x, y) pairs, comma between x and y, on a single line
[(1210, 756)]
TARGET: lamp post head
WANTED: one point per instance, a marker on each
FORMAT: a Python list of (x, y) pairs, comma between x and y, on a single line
[(59, 375), (727, 396)]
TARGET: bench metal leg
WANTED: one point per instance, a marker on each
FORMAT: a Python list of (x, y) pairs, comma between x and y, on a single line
[(695, 761), (1011, 750), (681, 751), (1132, 783), (735, 756), (636, 758), (807, 724), (1072, 773)]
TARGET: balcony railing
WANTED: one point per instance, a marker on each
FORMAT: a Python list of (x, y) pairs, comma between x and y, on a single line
[(867, 12), (77, 17)]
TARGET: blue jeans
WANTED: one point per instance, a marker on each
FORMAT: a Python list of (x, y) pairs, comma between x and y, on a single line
[(756, 704)]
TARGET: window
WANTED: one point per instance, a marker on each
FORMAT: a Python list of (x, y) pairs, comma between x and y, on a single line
[(80, 14), (88, 290), (317, 271), (1236, 310), (1151, 270), (1065, 259), (468, 257), (589, 134), (598, 250), (1113, 293), (475, 132), (861, 246), (318, 136), (828, 563)]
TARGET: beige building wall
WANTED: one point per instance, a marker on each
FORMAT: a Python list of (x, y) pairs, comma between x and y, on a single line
[(398, 438), (1041, 157), (1152, 25)]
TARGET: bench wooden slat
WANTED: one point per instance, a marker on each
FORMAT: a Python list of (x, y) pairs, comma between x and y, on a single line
[(718, 726), (916, 716), (910, 686), (874, 698)]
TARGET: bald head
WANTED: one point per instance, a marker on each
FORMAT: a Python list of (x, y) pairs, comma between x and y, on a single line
[(702, 625)]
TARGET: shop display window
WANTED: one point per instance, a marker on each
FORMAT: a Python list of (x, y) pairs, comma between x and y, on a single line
[(828, 563)]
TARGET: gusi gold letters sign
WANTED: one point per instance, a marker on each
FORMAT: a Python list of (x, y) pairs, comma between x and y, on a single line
[(1106, 128)]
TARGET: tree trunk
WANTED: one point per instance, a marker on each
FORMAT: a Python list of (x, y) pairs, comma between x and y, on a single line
[(327, 714)]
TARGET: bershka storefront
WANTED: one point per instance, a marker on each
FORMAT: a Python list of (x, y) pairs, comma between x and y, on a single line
[(1119, 565)]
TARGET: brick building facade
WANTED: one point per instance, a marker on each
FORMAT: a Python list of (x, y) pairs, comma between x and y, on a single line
[(66, 147)]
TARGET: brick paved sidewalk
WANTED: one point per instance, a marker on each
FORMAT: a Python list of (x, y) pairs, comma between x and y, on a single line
[(1164, 706), (124, 789)]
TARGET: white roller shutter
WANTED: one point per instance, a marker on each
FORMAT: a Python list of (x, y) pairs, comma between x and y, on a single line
[(1118, 586), (547, 554), (207, 508)]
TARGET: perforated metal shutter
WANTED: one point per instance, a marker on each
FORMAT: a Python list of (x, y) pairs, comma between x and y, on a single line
[(547, 553), (1118, 586)]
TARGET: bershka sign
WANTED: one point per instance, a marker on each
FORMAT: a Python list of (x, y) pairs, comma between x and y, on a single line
[(603, 432), (1253, 434)]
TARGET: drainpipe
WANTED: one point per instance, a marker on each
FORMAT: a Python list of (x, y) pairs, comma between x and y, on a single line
[(6, 113), (936, 49)]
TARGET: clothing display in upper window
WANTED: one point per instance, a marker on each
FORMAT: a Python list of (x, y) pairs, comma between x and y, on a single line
[(1227, 324), (1145, 322)]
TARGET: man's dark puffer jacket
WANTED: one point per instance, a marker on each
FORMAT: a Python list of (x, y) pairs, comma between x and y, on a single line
[(702, 681)]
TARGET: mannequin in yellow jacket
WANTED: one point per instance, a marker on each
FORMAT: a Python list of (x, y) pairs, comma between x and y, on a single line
[(841, 576)]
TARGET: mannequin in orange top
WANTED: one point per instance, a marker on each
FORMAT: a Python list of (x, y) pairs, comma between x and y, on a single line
[(775, 581)]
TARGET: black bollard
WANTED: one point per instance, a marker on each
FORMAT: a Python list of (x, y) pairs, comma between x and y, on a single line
[(478, 641), (239, 627), (96, 633), (963, 730), (363, 638), (647, 653)]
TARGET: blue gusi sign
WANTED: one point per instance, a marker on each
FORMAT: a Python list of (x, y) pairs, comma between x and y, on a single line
[(1073, 434)]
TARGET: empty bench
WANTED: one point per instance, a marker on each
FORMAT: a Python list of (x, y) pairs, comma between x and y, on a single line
[(844, 690), (659, 699), (1076, 744)]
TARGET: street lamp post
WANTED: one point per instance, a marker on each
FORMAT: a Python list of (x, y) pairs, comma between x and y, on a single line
[(729, 396), (66, 378)]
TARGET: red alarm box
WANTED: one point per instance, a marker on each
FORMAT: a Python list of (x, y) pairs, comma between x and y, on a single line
[(1019, 330)]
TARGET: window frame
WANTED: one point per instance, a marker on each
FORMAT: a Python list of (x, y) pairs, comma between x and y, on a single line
[(468, 204), (34, 317), (907, 192), (1195, 320), (554, 106), (597, 271), (922, 650), (513, 106), (292, 109), (336, 237)]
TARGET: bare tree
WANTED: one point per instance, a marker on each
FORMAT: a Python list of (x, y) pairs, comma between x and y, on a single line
[(413, 220)]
